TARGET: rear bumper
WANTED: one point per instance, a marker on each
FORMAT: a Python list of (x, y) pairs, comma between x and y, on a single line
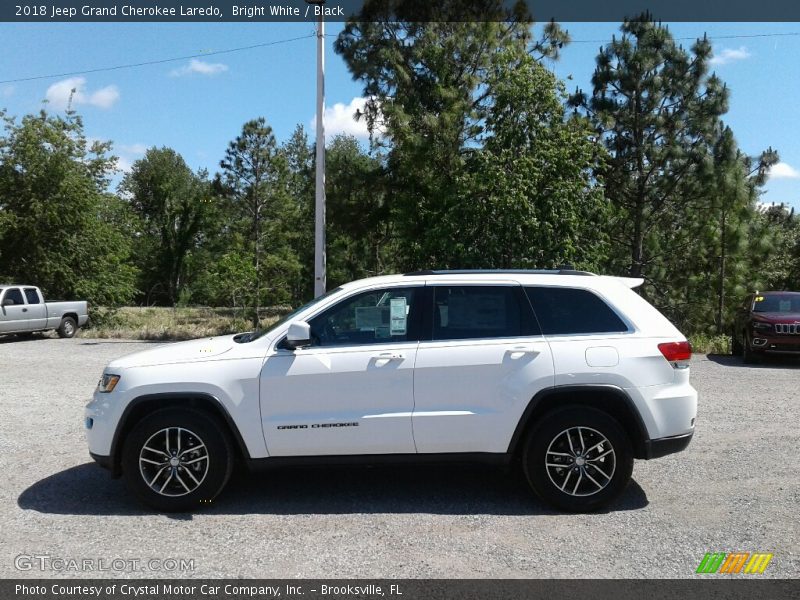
[(668, 445)]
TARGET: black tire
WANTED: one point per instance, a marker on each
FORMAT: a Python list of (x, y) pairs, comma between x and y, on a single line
[(194, 427), (68, 328), (549, 435), (748, 355), (736, 345)]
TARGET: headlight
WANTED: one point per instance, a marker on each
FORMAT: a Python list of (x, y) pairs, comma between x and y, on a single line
[(107, 383), (762, 326)]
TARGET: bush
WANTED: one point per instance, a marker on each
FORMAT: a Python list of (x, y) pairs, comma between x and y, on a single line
[(710, 344), (162, 323)]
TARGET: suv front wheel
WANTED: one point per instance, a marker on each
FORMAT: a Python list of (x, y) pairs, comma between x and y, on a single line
[(578, 459), (177, 459), (750, 356)]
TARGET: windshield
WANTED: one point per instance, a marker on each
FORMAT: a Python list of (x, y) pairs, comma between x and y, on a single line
[(777, 303), (286, 318)]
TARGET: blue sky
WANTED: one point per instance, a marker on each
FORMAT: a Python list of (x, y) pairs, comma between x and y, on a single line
[(197, 107)]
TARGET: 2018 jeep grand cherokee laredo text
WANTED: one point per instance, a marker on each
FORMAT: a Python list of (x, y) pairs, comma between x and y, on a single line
[(573, 374)]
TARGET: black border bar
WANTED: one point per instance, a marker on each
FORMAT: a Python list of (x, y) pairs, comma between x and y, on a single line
[(705, 587), (375, 10)]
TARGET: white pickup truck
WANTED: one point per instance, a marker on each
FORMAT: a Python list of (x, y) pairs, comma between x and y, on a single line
[(24, 311)]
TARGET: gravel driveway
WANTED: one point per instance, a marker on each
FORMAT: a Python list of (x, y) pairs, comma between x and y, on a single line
[(737, 488)]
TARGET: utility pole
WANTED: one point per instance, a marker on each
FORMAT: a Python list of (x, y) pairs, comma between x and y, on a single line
[(319, 196)]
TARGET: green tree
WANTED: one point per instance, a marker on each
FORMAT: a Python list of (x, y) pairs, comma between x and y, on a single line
[(530, 196), (683, 195), (783, 272), (425, 80), (254, 178), (300, 220), (174, 206), (656, 107), (358, 225), (58, 220), (727, 246)]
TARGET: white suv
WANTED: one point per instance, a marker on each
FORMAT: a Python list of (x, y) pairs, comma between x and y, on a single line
[(572, 374)]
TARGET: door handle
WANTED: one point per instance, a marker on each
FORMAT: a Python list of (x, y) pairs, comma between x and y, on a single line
[(24, 310), (389, 356), (519, 350)]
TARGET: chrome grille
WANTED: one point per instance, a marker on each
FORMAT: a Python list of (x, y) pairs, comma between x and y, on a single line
[(788, 328)]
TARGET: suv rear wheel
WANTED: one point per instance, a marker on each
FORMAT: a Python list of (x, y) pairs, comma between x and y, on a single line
[(177, 459), (578, 459)]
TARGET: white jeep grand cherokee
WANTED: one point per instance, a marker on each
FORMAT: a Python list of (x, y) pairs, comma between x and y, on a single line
[(573, 374)]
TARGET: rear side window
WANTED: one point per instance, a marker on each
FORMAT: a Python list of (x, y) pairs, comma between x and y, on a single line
[(476, 312), (31, 296), (564, 311), (15, 295)]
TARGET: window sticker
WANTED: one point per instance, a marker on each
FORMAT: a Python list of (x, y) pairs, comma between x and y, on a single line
[(398, 316), (759, 298)]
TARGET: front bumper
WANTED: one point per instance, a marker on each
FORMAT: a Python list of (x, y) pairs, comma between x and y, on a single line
[(775, 344), (101, 417), (103, 461), (668, 445)]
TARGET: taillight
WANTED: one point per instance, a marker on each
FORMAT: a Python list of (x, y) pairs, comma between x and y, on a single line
[(677, 353)]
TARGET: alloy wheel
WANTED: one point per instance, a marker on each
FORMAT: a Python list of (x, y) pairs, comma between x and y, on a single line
[(580, 461), (174, 461)]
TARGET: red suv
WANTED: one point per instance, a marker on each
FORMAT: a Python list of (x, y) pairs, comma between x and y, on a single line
[(767, 323)]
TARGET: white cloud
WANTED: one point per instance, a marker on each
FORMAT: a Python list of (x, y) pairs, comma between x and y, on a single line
[(59, 94), (783, 171), (127, 154), (729, 55), (7, 91), (200, 67), (134, 149), (340, 119), (765, 206), (105, 97), (124, 164)]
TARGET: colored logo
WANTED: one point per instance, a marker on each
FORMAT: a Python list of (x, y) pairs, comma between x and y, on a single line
[(734, 562)]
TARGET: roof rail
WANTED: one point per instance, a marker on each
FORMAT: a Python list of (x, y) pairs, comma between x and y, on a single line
[(498, 272)]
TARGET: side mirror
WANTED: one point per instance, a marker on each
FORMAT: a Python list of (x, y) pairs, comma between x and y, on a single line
[(299, 335), (8, 302)]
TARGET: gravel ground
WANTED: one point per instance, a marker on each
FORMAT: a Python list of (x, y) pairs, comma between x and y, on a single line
[(735, 489)]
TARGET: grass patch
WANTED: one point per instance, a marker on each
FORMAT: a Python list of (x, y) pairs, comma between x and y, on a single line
[(164, 323), (710, 344)]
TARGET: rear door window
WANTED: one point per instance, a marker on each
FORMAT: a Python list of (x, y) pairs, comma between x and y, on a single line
[(480, 312), (31, 296), (569, 311)]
